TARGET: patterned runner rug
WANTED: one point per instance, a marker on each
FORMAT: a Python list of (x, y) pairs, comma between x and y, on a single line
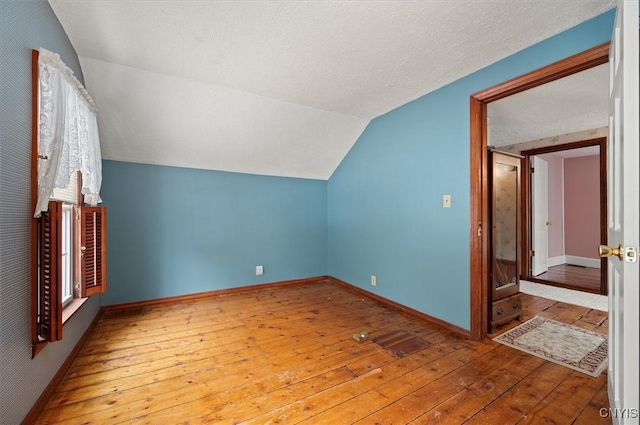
[(566, 345)]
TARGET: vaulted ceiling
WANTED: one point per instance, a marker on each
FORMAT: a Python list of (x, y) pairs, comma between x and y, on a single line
[(571, 104), (282, 88)]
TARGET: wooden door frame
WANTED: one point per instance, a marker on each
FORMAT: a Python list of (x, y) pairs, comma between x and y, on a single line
[(525, 270), (479, 201)]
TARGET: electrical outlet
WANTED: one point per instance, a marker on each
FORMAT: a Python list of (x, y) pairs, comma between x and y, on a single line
[(373, 280), (259, 270)]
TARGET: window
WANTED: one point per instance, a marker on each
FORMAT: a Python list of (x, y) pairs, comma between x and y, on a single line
[(71, 258), (66, 254), (68, 240), (69, 197)]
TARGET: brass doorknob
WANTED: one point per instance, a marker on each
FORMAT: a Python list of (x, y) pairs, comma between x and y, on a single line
[(607, 251)]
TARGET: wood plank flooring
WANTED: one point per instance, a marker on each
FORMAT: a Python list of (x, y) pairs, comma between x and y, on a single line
[(574, 277), (286, 356)]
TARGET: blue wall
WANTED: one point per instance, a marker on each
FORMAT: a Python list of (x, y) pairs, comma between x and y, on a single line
[(25, 26), (385, 210), (174, 231)]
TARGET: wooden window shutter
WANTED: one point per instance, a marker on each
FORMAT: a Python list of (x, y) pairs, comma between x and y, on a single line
[(93, 250), (50, 323)]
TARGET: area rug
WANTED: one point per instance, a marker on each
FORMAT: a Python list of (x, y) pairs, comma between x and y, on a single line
[(566, 345)]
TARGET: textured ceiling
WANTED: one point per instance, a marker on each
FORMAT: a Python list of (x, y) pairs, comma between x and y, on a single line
[(575, 103), (281, 87)]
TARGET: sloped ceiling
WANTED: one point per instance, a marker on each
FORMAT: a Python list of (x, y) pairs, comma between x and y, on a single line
[(282, 87), (575, 103)]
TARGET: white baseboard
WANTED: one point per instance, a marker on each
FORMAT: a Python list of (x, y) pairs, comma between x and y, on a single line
[(583, 261), (556, 261)]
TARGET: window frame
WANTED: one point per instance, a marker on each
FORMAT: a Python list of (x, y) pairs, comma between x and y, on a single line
[(48, 311), (67, 255)]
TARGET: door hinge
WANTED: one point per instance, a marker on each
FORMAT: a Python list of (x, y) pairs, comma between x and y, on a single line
[(532, 253), (533, 170)]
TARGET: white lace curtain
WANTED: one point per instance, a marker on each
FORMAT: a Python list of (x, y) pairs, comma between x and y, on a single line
[(68, 133)]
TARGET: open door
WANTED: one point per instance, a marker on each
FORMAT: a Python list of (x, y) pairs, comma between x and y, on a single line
[(623, 217), (540, 215)]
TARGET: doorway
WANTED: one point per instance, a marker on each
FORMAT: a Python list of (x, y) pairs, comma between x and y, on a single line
[(566, 208), (479, 211)]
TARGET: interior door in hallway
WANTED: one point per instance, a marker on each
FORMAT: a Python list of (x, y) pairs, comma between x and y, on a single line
[(540, 212)]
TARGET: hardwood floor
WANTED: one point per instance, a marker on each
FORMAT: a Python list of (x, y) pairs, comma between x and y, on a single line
[(573, 277), (287, 356)]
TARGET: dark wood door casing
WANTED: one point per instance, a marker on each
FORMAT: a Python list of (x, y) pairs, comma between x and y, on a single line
[(479, 200), (525, 270)]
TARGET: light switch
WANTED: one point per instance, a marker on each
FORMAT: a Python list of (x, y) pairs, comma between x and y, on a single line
[(446, 201)]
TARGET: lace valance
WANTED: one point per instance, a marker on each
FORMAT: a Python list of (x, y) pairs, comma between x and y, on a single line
[(68, 138)]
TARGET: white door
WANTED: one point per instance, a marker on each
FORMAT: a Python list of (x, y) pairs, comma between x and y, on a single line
[(623, 219), (540, 214)]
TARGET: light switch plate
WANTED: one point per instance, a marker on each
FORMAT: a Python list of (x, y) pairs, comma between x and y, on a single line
[(446, 201)]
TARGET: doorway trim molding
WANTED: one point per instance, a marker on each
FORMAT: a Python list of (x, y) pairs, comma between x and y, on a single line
[(525, 269), (479, 202)]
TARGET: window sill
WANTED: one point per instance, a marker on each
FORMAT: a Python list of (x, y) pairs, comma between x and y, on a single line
[(67, 312), (71, 308)]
